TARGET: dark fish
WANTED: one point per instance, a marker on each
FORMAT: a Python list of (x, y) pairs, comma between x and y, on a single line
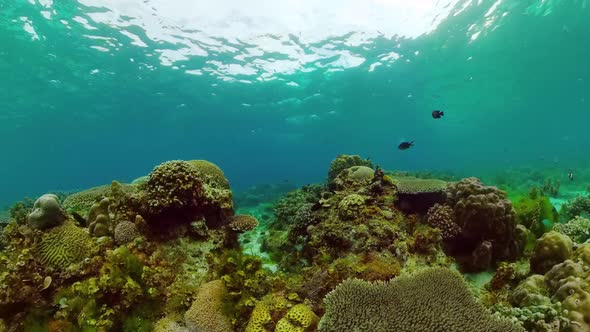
[(437, 114), (570, 175), (405, 145), (81, 220)]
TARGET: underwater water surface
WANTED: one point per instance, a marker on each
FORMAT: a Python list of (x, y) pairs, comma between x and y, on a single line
[(258, 165)]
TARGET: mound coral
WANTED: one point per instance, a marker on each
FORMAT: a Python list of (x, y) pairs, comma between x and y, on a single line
[(206, 313), (353, 177), (243, 223), (174, 185), (125, 232), (436, 299), (47, 212), (63, 246), (418, 195), (565, 288), (486, 219), (552, 248), (210, 173), (343, 162)]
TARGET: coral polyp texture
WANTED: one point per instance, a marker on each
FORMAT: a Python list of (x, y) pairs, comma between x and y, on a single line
[(125, 232), (174, 185), (206, 313), (432, 300), (243, 223)]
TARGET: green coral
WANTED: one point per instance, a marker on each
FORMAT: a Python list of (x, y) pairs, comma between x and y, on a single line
[(81, 202), (532, 210), (211, 173), (343, 162), (351, 206), (435, 299), (410, 185), (578, 229), (206, 313), (63, 246), (552, 248)]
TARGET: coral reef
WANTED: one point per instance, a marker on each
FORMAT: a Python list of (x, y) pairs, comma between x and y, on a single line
[(47, 212), (210, 173), (442, 217), (99, 220), (579, 206), (432, 300), (533, 210)]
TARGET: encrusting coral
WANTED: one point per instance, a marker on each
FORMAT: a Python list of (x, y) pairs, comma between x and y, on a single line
[(436, 299)]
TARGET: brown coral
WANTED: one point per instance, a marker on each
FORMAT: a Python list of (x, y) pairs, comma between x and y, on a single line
[(210, 173), (441, 217), (206, 313), (432, 300), (125, 232), (243, 223), (484, 214), (174, 185)]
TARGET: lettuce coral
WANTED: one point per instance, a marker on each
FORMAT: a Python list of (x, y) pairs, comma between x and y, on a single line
[(435, 299)]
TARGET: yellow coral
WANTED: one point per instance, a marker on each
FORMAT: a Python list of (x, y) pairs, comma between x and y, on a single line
[(63, 246), (206, 313), (300, 318), (261, 315), (212, 173)]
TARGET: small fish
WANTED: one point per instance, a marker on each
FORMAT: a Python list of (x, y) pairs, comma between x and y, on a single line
[(570, 175), (437, 114), (405, 145)]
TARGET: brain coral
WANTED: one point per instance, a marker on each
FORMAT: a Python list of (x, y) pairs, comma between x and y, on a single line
[(47, 212), (300, 318), (64, 245), (436, 299), (211, 173), (81, 202), (484, 214), (125, 232), (174, 184), (206, 313), (243, 223), (343, 162)]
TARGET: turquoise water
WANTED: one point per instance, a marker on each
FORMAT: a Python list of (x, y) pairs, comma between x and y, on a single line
[(95, 90)]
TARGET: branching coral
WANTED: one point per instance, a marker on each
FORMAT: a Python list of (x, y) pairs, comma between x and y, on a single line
[(433, 300), (579, 206), (578, 229)]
